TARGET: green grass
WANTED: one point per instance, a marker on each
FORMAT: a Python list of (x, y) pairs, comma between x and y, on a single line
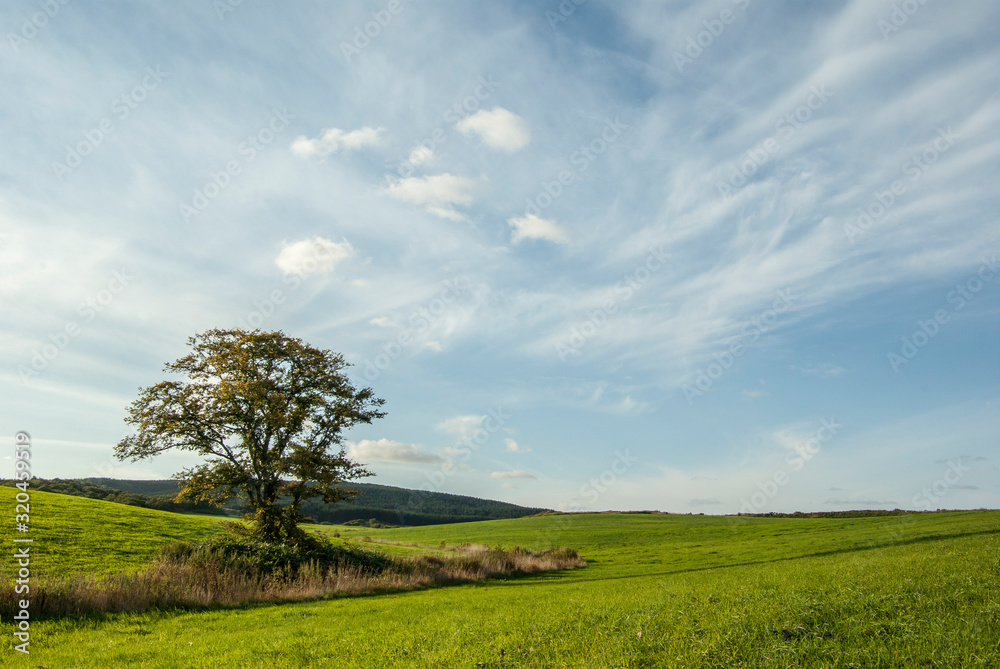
[(659, 591), (76, 534)]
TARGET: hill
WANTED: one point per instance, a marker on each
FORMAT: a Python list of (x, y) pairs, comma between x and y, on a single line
[(76, 534), (380, 503)]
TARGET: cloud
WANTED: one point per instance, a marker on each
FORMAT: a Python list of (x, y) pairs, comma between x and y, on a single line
[(420, 154), (826, 369), (855, 502), (461, 426), (435, 192), (533, 227), (505, 486), (313, 256), (498, 128), (386, 450), (711, 501), (332, 140), (383, 322), (514, 447), (753, 394), (515, 474)]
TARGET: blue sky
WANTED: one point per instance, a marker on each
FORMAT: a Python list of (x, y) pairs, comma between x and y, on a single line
[(690, 256)]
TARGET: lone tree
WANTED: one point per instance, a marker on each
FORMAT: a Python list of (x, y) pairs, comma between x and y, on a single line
[(268, 412)]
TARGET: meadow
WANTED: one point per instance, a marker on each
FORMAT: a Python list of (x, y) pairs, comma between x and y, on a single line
[(918, 590)]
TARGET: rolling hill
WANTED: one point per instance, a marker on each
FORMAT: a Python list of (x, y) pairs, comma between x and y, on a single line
[(383, 504)]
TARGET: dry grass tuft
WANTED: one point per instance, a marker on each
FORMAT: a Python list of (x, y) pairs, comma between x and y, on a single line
[(178, 583)]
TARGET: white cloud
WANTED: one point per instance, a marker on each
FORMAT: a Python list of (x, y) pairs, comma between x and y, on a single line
[(461, 426), (386, 450), (383, 322), (514, 447), (498, 128), (533, 227), (316, 255), (446, 212), (332, 140), (420, 155), (515, 474), (435, 192)]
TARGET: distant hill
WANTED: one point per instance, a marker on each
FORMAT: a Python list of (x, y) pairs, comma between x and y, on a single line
[(380, 503)]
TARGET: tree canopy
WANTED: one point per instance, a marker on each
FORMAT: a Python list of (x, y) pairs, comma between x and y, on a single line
[(268, 413)]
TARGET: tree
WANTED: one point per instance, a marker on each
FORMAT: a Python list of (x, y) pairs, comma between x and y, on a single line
[(267, 411)]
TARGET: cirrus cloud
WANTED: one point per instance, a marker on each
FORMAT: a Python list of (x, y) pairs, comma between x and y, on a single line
[(515, 474)]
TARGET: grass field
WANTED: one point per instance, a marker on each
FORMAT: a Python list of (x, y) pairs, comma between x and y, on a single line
[(670, 591)]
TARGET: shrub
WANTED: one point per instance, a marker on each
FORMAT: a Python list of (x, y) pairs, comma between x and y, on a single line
[(255, 557)]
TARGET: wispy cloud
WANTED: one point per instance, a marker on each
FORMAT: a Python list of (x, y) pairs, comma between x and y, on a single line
[(335, 140), (436, 192), (513, 474)]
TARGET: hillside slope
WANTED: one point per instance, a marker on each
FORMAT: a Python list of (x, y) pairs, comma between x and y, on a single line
[(387, 504), (75, 534)]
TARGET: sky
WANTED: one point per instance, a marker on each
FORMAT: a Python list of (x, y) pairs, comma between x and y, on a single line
[(701, 257)]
